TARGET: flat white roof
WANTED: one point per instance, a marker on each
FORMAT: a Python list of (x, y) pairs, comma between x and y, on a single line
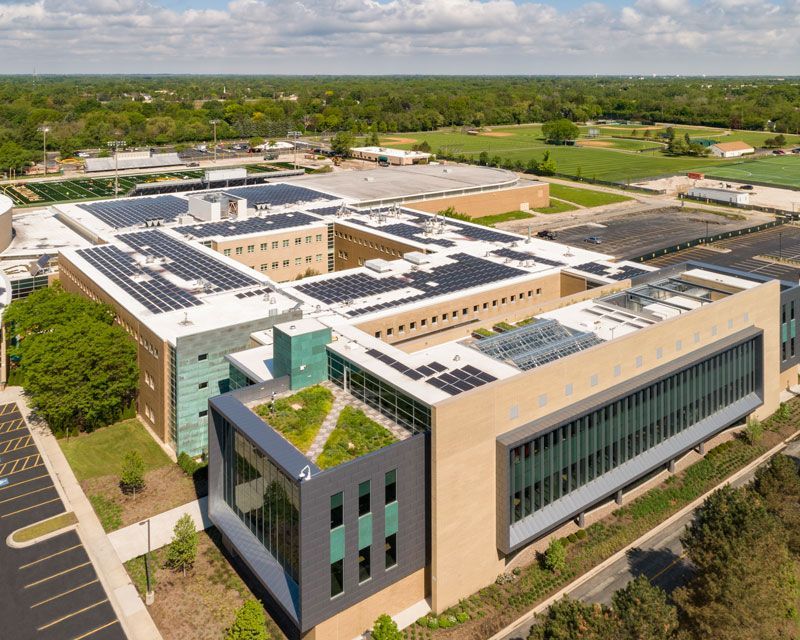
[(41, 232), (256, 363), (392, 153)]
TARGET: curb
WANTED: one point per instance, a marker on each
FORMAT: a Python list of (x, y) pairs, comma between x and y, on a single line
[(29, 543), (500, 635)]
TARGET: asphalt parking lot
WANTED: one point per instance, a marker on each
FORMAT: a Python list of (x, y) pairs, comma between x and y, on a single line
[(636, 234), (783, 241), (50, 589)]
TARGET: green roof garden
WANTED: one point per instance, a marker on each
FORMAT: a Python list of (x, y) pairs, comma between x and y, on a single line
[(355, 435)]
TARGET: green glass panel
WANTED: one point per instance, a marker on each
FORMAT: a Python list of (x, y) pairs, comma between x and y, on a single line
[(391, 516), (337, 544), (365, 531)]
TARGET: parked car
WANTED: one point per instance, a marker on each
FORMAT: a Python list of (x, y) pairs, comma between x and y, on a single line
[(83, 154), (192, 164), (779, 152), (546, 234), (593, 240), (746, 187), (796, 150)]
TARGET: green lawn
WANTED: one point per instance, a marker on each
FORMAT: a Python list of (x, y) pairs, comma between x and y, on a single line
[(101, 452), (490, 221), (298, 417), (355, 435), (556, 206), (525, 143), (44, 527), (584, 197), (778, 170)]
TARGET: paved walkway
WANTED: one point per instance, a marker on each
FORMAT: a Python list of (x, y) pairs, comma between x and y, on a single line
[(124, 598), (131, 541)]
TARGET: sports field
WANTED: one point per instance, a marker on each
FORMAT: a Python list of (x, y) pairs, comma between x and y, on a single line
[(777, 170), (49, 192), (610, 162)]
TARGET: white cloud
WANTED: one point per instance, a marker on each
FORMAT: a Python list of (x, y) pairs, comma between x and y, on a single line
[(412, 36)]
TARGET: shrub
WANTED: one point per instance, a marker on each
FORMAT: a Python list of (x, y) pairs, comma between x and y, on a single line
[(385, 629), (783, 412), (753, 432), (462, 616), (572, 538), (189, 465), (250, 623), (132, 477), (433, 623), (555, 558), (581, 534)]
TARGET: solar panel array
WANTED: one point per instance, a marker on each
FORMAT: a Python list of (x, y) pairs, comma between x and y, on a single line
[(415, 374), (278, 194), (476, 232), (271, 222), (465, 272), (460, 380), (186, 262), (256, 292), (505, 252), (405, 231), (154, 291), (625, 271), (133, 212)]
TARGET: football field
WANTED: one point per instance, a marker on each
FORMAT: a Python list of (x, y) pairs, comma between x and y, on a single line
[(49, 192), (777, 170)]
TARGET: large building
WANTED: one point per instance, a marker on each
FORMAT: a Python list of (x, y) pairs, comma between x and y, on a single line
[(509, 384), (734, 149), (600, 377)]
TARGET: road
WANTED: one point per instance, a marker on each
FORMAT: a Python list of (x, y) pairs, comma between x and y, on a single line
[(660, 558)]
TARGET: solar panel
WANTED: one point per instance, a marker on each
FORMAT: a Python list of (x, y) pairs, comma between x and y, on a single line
[(186, 261), (477, 232), (406, 231), (395, 364), (134, 212), (460, 380), (152, 290), (278, 194), (271, 222), (505, 252)]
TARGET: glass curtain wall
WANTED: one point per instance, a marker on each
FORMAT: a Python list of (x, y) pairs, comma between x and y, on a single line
[(265, 499), (550, 466), (404, 410)]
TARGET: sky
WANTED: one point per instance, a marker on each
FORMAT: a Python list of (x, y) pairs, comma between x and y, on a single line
[(469, 37)]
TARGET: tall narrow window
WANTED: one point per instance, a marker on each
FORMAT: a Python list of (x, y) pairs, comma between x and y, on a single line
[(391, 486), (337, 578), (337, 511), (391, 550), (363, 498), (364, 563)]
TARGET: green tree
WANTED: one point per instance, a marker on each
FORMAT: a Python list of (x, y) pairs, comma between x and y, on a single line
[(744, 584), (483, 158), (385, 629), (547, 167), (643, 612), (560, 131), (81, 375), (182, 551), (569, 619), (132, 477), (250, 623), (778, 485), (342, 142), (14, 156), (373, 140), (555, 558)]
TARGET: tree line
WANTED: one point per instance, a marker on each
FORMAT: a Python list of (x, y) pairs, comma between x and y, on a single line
[(88, 111), (744, 547)]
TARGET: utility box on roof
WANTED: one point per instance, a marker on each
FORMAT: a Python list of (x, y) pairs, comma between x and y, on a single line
[(299, 352)]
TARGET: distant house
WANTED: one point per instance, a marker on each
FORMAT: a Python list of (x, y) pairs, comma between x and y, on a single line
[(731, 149)]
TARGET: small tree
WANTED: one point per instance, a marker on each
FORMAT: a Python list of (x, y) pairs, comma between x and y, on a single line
[(386, 629), (555, 558), (644, 612), (132, 477), (250, 623), (182, 550), (342, 142), (560, 131)]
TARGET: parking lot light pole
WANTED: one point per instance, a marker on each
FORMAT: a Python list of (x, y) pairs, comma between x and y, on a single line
[(116, 145), (215, 122), (295, 135), (150, 596), (780, 246), (45, 130)]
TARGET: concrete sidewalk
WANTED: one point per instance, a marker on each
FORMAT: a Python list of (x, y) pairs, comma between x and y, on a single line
[(131, 541), (122, 594)]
